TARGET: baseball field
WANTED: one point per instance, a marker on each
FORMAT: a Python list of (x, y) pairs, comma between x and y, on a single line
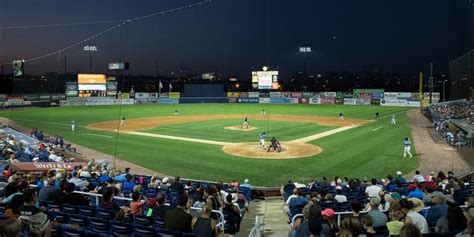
[(206, 141)]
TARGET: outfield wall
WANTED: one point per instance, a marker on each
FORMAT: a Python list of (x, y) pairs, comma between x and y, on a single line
[(376, 97)]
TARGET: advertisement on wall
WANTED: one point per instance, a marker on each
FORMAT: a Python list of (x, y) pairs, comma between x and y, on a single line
[(232, 94), (254, 94), (316, 101), (168, 101), (330, 94), (275, 94), (328, 101), (280, 100), (349, 101), (248, 100), (264, 100), (399, 103)]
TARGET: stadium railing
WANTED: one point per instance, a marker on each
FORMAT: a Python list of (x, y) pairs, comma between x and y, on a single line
[(256, 231)]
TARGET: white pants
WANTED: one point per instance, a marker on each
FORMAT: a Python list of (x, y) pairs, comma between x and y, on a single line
[(407, 150), (262, 142), (394, 122), (246, 124), (72, 127), (341, 117)]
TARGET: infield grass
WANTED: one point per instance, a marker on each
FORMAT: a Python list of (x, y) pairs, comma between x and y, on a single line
[(371, 150)]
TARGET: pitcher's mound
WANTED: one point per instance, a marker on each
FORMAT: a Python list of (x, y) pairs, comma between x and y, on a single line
[(239, 128), (288, 151)]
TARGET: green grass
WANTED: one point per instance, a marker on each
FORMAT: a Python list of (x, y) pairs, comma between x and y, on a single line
[(214, 130), (358, 152)]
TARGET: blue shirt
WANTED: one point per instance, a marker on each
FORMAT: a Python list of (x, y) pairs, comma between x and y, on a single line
[(407, 143), (416, 194), (263, 136)]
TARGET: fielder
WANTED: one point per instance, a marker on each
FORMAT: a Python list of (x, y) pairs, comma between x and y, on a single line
[(407, 144), (73, 125), (393, 120), (341, 116), (263, 112), (122, 121), (176, 112), (246, 123), (263, 137)]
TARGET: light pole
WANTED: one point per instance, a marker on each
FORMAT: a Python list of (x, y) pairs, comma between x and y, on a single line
[(90, 48), (305, 50), (444, 90)]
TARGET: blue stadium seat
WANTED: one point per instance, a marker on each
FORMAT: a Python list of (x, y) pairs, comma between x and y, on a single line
[(121, 229)]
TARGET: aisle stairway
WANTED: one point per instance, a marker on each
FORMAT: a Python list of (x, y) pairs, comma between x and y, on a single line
[(271, 214)]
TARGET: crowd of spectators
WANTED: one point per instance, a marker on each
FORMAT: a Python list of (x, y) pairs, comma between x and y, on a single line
[(166, 202), (442, 113), (381, 207)]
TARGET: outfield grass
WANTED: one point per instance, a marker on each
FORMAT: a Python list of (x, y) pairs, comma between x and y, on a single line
[(371, 150)]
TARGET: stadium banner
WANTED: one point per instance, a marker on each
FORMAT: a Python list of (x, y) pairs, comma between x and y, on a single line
[(168, 101), (315, 101), (146, 100), (286, 94), (15, 97), (294, 100), (363, 101), (280, 100), (318, 95), (127, 101), (232, 100), (344, 95), (174, 95), (377, 95), (375, 101), (249, 100), (153, 95), (396, 95), (31, 97), (308, 95), (254, 94), (434, 96), (425, 102), (264, 95), (415, 96), (58, 96), (72, 89), (44, 166), (339, 101), (3, 97), (327, 101), (330, 94), (193, 100), (111, 88), (413, 103), (275, 94), (264, 100), (399, 103), (243, 95), (232, 94), (349, 101), (303, 100), (297, 94), (141, 95), (164, 95), (124, 96), (357, 92)]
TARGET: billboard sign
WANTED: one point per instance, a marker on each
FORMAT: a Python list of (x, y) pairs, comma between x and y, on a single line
[(18, 68), (91, 78), (265, 80)]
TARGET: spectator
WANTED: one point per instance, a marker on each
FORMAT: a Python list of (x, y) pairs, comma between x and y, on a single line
[(368, 224), (107, 197), (329, 221), (411, 207), (204, 226), (47, 193), (397, 218), (287, 188), (176, 186), (10, 228), (160, 209), (399, 178), (29, 208), (136, 206), (469, 231), (373, 190), (74, 198), (40, 225), (311, 224), (296, 202), (178, 219), (438, 210), (351, 224), (233, 214), (418, 177), (379, 219), (356, 208), (410, 230), (339, 196), (246, 184), (453, 221), (416, 193), (213, 199)]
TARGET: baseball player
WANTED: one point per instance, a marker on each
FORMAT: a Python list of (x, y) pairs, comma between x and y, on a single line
[(176, 112), (73, 125), (246, 123), (263, 112), (122, 121), (275, 145), (393, 120), (377, 116), (341, 116), (263, 137), (407, 144)]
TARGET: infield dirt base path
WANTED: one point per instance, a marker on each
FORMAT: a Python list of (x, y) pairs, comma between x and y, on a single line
[(290, 149)]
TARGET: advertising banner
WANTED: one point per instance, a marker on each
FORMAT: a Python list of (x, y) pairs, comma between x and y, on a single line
[(232, 94), (275, 94), (280, 100), (264, 100), (248, 100), (413, 103), (315, 101), (141, 95), (153, 95), (297, 94), (286, 94), (349, 101), (377, 95), (243, 94), (72, 90), (330, 94), (111, 88), (232, 100), (308, 95), (399, 103), (168, 101), (434, 96), (254, 94), (318, 95), (294, 100), (264, 95), (164, 95), (146, 100), (375, 101), (328, 101), (344, 95), (363, 101), (174, 95), (303, 100), (44, 166), (397, 95)]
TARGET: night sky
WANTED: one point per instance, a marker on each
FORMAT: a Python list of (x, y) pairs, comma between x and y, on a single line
[(232, 36)]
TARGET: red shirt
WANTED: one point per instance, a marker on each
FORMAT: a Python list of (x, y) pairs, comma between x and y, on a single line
[(6, 173)]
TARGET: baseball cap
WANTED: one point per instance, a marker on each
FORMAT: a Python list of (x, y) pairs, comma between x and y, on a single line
[(246, 180), (399, 173), (328, 212), (165, 180), (437, 194), (39, 222)]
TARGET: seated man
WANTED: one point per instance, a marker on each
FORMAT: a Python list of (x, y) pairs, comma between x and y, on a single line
[(275, 145)]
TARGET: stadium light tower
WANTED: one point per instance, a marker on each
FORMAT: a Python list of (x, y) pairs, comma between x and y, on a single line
[(90, 48), (305, 50)]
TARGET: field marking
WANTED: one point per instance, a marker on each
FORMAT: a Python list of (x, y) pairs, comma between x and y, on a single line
[(375, 129), (180, 138), (97, 135), (323, 134)]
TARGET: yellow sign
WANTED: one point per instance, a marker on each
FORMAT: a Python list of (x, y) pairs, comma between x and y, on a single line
[(232, 94), (174, 95), (91, 79)]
